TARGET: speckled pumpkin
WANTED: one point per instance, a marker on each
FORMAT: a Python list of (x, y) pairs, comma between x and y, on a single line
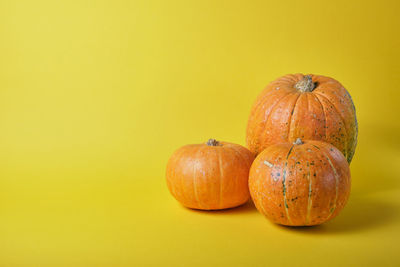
[(310, 107), (210, 176), (305, 183)]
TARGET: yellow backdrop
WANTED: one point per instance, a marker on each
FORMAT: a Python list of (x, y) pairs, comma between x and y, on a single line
[(96, 95)]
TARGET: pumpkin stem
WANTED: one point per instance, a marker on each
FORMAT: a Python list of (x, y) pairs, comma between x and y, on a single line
[(305, 85), (212, 142), (298, 142)]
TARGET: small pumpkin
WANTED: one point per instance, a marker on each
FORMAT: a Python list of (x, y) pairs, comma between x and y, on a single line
[(305, 183), (210, 176), (310, 107)]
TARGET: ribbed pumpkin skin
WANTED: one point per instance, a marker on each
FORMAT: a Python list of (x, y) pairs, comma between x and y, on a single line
[(283, 113), (210, 177), (299, 185)]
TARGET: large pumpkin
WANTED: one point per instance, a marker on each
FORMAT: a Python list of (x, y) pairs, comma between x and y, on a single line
[(309, 107), (210, 176), (300, 184)]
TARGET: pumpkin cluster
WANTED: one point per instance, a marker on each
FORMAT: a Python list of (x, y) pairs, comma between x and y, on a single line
[(301, 137)]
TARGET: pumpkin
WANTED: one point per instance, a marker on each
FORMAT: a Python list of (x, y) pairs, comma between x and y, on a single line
[(305, 183), (210, 176), (309, 107)]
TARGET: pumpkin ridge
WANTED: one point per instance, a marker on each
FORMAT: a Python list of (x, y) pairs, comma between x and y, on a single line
[(220, 179), (284, 185), (337, 110), (256, 107), (172, 187), (181, 180), (291, 115), (241, 159), (169, 183), (324, 114), (266, 93), (195, 193), (353, 148), (269, 114), (258, 182), (309, 200), (332, 210), (341, 118), (240, 155), (337, 184)]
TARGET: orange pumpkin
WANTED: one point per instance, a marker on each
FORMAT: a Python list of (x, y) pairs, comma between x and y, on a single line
[(309, 107), (210, 176), (300, 184)]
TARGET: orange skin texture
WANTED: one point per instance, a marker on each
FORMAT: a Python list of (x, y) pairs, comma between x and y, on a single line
[(300, 185), (283, 113), (207, 177)]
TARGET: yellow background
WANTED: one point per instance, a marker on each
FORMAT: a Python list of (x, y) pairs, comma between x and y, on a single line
[(96, 95)]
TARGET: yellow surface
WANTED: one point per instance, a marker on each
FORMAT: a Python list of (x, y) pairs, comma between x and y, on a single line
[(96, 95)]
